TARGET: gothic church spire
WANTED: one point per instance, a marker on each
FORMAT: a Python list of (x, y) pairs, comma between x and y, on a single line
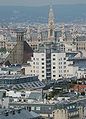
[(51, 24)]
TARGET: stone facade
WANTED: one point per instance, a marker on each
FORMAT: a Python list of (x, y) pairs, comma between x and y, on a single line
[(64, 113), (21, 52)]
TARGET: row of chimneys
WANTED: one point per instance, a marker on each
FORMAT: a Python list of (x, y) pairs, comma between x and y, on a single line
[(13, 111), (6, 113)]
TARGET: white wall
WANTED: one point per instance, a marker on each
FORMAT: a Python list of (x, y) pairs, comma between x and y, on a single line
[(60, 67), (81, 73), (58, 63), (37, 66), (13, 94)]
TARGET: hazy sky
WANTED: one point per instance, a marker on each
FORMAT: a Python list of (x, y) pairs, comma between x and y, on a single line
[(39, 2)]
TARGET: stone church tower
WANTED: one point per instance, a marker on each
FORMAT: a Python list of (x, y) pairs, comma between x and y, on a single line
[(16, 56), (21, 52), (51, 25), (20, 46)]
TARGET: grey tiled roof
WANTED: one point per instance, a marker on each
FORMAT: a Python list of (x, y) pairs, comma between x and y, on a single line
[(36, 95), (24, 114)]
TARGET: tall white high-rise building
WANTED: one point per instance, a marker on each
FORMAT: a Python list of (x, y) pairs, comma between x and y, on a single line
[(49, 64)]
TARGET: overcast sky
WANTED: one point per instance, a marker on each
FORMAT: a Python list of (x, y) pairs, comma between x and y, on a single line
[(39, 2)]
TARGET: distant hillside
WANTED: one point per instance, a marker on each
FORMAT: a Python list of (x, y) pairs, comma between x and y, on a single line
[(63, 13)]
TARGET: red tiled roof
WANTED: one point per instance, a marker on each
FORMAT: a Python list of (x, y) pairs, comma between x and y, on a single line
[(79, 87)]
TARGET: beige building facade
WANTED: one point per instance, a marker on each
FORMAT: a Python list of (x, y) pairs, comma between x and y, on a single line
[(64, 113)]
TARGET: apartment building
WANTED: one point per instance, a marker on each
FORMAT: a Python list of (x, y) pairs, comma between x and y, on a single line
[(50, 64), (69, 111)]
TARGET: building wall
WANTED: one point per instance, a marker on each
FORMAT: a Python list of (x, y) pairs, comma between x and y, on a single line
[(55, 65), (81, 73), (4, 101), (58, 66), (16, 55), (2, 41), (27, 69), (69, 47), (64, 114), (60, 114), (39, 65), (70, 69), (12, 56), (81, 45), (9, 45), (6, 43)]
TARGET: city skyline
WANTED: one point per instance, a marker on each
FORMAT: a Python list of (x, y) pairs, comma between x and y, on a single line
[(38, 2)]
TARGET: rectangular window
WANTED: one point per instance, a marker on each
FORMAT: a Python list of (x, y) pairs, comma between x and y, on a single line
[(33, 62), (42, 63), (64, 66), (42, 71), (54, 71), (37, 108), (37, 63), (64, 70), (64, 58), (53, 54), (53, 58), (32, 108), (42, 58), (53, 63), (37, 67), (42, 54), (54, 67), (37, 58), (34, 67)]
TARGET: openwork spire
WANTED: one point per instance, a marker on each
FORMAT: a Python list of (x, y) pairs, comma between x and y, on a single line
[(51, 24), (51, 14)]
